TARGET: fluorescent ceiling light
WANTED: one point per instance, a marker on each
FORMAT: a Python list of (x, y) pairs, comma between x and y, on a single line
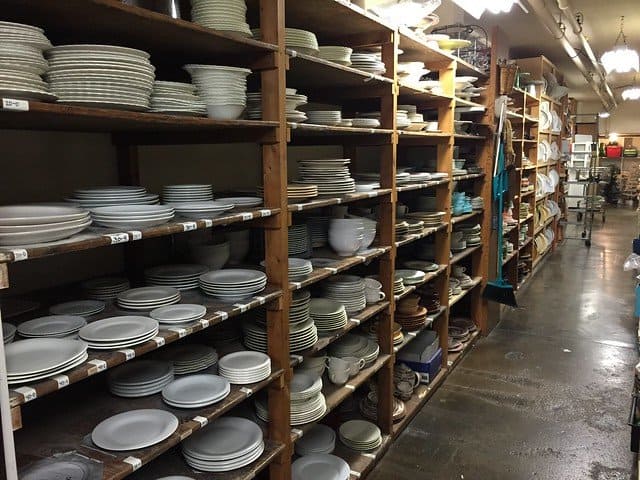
[(631, 93), (604, 114), (476, 8)]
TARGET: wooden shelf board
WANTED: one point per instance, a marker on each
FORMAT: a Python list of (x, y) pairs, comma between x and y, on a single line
[(361, 463), (466, 216), (459, 136), (468, 176), (456, 298), (320, 202), (54, 432), (407, 187), (457, 257), (407, 239), (509, 229), (423, 134), (510, 257), (468, 103), (409, 289), (408, 92), (456, 358), (527, 218), (319, 130), (101, 237), (409, 336), (526, 243), (341, 264), (98, 361), (527, 194)]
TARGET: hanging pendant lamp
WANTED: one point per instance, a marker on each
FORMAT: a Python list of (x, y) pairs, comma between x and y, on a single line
[(621, 58)]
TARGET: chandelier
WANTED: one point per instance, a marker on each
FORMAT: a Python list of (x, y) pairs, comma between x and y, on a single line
[(477, 7), (621, 58)]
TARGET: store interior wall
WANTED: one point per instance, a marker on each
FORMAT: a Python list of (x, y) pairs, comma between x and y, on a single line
[(625, 119)]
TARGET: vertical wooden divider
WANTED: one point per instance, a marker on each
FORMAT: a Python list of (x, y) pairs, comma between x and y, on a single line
[(387, 221), (274, 160)]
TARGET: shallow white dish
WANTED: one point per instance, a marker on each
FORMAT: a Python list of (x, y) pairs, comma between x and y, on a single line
[(134, 429)]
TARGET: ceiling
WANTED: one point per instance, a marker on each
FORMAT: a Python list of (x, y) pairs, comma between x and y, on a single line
[(528, 37)]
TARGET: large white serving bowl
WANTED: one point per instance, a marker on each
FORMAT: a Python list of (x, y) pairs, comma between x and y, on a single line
[(213, 256), (225, 112), (345, 245)]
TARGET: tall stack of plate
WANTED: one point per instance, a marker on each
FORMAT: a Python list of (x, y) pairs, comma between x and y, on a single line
[(196, 391), (224, 15), (242, 368), (301, 335), (292, 101), (28, 224), (319, 229), (119, 332), (336, 54), (347, 290), (172, 194), (132, 216), (233, 284), (301, 41), (369, 62), (83, 308), (307, 401), (103, 76), (299, 268), (148, 298), (328, 315), (51, 326), (108, 196), (8, 332), (332, 176), (325, 117), (351, 345), (176, 98), (38, 358), (360, 435), (298, 191), (225, 444), (104, 288), (178, 313), (300, 305), (179, 276), (190, 358), (140, 378), (316, 465), (22, 62), (198, 210), (319, 439), (299, 241)]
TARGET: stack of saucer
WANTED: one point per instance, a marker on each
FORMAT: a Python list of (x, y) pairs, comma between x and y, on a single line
[(369, 407), (415, 227), (410, 277), (198, 210), (307, 401), (430, 219), (140, 378), (91, 198), (233, 284), (301, 335), (51, 326), (336, 54), (292, 102), (299, 268), (186, 193), (179, 276), (398, 285), (245, 367), (412, 321), (328, 315), (360, 435), (352, 345), (132, 216), (332, 176), (83, 308), (319, 228), (119, 332), (319, 439), (349, 290), (471, 234), (325, 117), (178, 313), (196, 391), (369, 62), (104, 288), (190, 358), (176, 98), (148, 298)]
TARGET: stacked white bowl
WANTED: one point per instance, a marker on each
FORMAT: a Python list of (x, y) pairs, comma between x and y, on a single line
[(346, 235), (224, 15), (223, 89), (369, 232)]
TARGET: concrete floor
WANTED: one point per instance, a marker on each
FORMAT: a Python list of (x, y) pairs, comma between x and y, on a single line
[(546, 395)]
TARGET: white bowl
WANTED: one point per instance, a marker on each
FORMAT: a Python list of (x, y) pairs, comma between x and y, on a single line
[(225, 112), (345, 246), (213, 256)]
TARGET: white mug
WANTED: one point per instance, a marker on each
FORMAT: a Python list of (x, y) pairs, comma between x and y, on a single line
[(372, 283), (335, 363), (401, 210), (355, 365), (339, 377), (374, 296)]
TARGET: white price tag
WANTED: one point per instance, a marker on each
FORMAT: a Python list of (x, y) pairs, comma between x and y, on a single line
[(355, 320), (159, 341), (348, 386), (128, 353), (360, 257), (135, 235), (297, 358), (28, 393), (201, 420), (19, 254), (395, 349), (222, 314), (116, 238), (353, 473), (261, 300), (412, 334), (98, 366), (297, 432), (333, 270), (15, 105), (247, 216), (265, 213), (299, 207), (242, 306), (247, 391), (338, 200), (369, 455), (296, 285), (188, 226), (182, 332), (135, 463), (204, 322), (62, 380), (372, 194), (207, 222)]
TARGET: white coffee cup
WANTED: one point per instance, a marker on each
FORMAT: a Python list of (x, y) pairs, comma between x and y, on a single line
[(355, 365), (373, 296), (339, 377)]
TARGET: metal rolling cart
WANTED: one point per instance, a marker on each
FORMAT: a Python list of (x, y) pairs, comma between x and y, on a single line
[(589, 201)]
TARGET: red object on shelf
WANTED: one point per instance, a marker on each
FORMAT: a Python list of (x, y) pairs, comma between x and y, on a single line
[(614, 151)]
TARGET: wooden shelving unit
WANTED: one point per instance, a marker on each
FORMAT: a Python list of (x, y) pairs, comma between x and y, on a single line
[(32, 420)]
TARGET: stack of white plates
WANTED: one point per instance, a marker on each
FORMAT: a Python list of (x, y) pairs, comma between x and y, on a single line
[(197, 210), (319, 228), (38, 358), (178, 313), (347, 290), (369, 62), (83, 308), (301, 336), (352, 345), (51, 326), (140, 378), (332, 176), (300, 305), (430, 219), (8, 332), (299, 241), (134, 429), (176, 98), (132, 216), (299, 268), (148, 298), (222, 89), (398, 285), (245, 367), (325, 117), (360, 435), (307, 401), (336, 54), (319, 439), (118, 332), (190, 358), (224, 15), (187, 193), (28, 224), (366, 122), (242, 202), (22, 63), (103, 76), (299, 191), (320, 466), (196, 391), (225, 444), (105, 288), (108, 196), (179, 276), (328, 315), (233, 284), (410, 277), (292, 102), (302, 41)]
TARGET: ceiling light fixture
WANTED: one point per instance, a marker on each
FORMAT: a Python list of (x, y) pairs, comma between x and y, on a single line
[(477, 7), (631, 93), (621, 58), (604, 114)]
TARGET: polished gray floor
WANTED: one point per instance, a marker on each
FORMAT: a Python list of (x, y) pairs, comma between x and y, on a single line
[(546, 395)]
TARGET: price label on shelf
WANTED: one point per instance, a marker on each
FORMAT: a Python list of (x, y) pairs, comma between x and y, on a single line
[(207, 222), (135, 235), (116, 238), (61, 380), (128, 353), (265, 213), (242, 306), (15, 105), (98, 366), (297, 432), (159, 341), (222, 314), (204, 322), (355, 320), (135, 462), (189, 226), (201, 420), (247, 216), (333, 270), (261, 300), (28, 393), (296, 285), (19, 254), (353, 473), (182, 332), (247, 391)]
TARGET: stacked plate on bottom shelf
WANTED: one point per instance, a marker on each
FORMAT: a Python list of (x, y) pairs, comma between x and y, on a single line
[(176, 98), (227, 443), (328, 315), (119, 332), (319, 439), (51, 326), (103, 76), (320, 466), (190, 358), (332, 176), (91, 198), (132, 216), (8, 332), (349, 290), (178, 313), (307, 401), (245, 367), (196, 391), (352, 345), (140, 378), (301, 336), (105, 288), (178, 276), (233, 284), (187, 193), (38, 358), (360, 435), (325, 117), (148, 298), (28, 224)]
